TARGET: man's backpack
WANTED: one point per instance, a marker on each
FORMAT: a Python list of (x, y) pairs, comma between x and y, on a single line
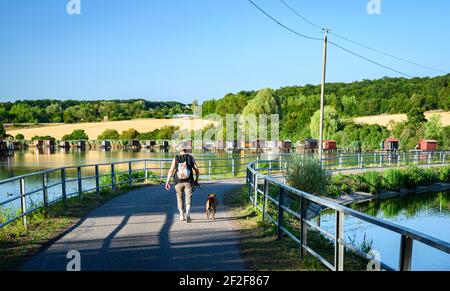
[(184, 168)]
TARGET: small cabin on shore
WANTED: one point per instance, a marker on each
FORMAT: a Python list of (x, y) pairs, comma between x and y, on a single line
[(286, 146), (219, 145), (49, 143), (150, 144), (391, 144), (329, 145), (427, 145), (106, 144), (81, 144), (308, 145), (64, 144), (231, 145), (135, 144)]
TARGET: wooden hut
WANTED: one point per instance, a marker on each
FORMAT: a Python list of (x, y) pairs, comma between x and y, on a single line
[(259, 144), (391, 144), (329, 145), (231, 145), (49, 143), (39, 143), (150, 144), (106, 144), (64, 144), (308, 145), (81, 144), (286, 146), (164, 145), (219, 144), (135, 144), (427, 145)]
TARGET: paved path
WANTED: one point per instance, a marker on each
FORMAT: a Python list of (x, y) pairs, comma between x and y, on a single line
[(140, 231)]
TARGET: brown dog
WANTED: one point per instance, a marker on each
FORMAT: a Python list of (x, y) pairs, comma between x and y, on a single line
[(211, 206)]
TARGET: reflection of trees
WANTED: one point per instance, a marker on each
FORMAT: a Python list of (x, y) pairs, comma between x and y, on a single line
[(409, 205)]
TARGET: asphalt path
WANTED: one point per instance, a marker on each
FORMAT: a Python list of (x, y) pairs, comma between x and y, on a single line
[(140, 231)]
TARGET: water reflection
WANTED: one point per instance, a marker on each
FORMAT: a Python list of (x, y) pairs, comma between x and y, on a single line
[(428, 213)]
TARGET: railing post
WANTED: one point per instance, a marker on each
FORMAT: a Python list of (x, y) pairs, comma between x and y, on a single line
[(361, 161), (249, 183), (80, 186), (209, 169), (266, 192), (161, 166), (146, 171), (406, 247), (232, 168), (340, 162), (113, 177), (45, 189), (255, 189), (270, 167), (63, 186), (130, 173), (303, 226), (399, 157), (97, 179), (23, 201), (338, 246), (280, 212)]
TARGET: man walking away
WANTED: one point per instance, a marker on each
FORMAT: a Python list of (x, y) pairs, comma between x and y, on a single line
[(182, 166)]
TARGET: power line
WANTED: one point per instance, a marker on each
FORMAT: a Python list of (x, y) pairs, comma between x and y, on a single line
[(282, 25), (339, 46), (360, 44), (370, 60)]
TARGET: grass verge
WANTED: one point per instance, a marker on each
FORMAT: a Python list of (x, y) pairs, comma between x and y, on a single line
[(263, 251)]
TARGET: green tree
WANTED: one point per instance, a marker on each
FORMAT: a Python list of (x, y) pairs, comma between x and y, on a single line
[(2, 131), (265, 102), (109, 134), (331, 123), (129, 134), (77, 134), (19, 136)]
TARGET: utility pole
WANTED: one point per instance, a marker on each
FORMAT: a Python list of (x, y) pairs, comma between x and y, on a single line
[(322, 92)]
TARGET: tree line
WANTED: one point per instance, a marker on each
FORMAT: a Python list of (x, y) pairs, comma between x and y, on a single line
[(299, 116), (72, 111)]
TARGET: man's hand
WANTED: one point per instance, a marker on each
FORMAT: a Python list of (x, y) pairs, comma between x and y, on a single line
[(167, 186)]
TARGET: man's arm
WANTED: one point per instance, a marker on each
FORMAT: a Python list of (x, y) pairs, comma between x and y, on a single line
[(169, 174)]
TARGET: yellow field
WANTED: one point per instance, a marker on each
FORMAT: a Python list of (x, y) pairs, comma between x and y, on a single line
[(385, 119), (95, 129)]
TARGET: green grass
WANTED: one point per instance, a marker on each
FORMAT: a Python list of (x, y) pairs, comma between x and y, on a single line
[(263, 251), (18, 244)]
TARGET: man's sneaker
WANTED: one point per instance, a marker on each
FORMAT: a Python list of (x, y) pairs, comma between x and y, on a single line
[(188, 218), (182, 217)]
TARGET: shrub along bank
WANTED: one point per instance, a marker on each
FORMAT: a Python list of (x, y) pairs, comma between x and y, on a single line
[(390, 180)]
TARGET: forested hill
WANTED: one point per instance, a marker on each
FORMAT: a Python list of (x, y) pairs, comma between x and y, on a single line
[(298, 104), (71, 111), (367, 97)]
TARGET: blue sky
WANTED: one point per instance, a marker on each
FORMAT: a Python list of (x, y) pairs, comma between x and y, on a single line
[(185, 49)]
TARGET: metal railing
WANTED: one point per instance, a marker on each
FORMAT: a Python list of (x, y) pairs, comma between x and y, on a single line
[(261, 197), (58, 184), (382, 160)]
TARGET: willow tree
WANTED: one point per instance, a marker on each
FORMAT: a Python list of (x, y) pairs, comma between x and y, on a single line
[(266, 103), (330, 123)]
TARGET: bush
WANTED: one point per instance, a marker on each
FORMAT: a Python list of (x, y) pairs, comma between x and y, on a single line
[(109, 134), (444, 174), (307, 175), (19, 136), (373, 180), (430, 176), (393, 179), (415, 177)]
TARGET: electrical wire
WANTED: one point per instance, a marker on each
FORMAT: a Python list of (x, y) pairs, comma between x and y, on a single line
[(360, 44)]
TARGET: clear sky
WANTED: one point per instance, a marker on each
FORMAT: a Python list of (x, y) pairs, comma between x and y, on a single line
[(185, 49)]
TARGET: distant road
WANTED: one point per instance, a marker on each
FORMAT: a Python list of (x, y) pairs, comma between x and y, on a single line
[(94, 129)]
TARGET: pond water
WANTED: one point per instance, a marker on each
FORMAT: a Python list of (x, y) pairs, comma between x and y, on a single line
[(428, 213), (34, 160)]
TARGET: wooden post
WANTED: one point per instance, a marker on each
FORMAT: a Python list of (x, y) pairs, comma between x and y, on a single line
[(113, 177), (97, 179), (80, 186), (63, 186), (303, 226)]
